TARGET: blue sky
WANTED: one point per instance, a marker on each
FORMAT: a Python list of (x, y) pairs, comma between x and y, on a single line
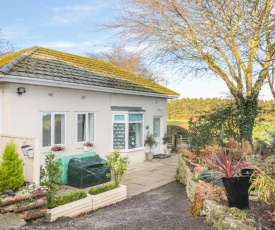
[(70, 26)]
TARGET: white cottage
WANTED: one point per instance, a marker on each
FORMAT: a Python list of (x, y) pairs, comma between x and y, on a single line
[(52, 98)]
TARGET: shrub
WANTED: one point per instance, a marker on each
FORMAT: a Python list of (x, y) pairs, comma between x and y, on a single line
[(48, 175), (264, 186), (11, 168), (264, 147), (166, 138), (102, 188), (68, 198), (206, 129), (117, 165)]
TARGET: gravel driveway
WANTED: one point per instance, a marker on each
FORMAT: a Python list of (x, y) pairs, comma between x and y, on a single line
[(166, 208)]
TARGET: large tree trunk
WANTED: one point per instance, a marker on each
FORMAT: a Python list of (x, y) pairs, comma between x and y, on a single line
[(247, 110)]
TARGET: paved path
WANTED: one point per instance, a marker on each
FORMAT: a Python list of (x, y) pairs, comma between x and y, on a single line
[(150, 175)]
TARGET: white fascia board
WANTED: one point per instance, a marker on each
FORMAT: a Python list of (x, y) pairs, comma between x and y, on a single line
[(43, 82)]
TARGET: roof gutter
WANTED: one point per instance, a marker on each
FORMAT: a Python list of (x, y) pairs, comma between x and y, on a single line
[(43, 82)]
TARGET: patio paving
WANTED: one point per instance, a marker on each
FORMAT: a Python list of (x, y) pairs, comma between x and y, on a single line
[(150, 175)]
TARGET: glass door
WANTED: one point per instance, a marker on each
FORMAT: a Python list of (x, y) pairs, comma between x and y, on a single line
[(156, 133)]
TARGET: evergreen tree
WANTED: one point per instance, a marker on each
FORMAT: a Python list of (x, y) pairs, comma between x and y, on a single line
[(11, 168)]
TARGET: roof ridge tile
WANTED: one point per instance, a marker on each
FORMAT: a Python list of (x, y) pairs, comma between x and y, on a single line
[(7, 67)]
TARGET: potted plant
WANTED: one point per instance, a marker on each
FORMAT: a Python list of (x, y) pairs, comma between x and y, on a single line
[(166, 138), (87, 146), (56, 148), (149, 141), (236, 187)]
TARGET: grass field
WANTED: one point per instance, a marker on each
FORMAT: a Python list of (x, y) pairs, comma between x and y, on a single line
[(261, 130), (177, 122)]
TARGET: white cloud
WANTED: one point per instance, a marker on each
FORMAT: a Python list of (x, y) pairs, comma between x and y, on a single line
[(15, 31), (79, 47), (57, 44), (73, 14)]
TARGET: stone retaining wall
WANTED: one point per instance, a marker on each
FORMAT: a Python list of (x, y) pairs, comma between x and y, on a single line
[(185, 176), (215, 213)]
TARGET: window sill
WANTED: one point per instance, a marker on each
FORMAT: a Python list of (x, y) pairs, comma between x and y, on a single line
[(131, 150)]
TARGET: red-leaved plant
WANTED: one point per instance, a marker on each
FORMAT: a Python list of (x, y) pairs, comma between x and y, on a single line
[(229, 166), (88, 144)]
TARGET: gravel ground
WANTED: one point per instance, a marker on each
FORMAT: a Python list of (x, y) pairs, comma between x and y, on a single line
[(166, 208)]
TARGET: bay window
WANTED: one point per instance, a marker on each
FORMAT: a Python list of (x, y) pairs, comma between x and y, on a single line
[(127, 131)]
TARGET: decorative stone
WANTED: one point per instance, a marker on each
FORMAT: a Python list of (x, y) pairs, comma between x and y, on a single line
[(11, 221), (8, 192), (229, 223), (212, 210)]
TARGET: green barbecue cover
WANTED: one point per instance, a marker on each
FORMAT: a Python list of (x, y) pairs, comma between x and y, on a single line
[(63, 163), (87, 172)]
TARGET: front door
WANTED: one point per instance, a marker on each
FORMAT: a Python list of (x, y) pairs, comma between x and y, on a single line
[(156, 132)]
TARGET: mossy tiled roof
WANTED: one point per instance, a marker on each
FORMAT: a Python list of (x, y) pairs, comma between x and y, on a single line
[(47, 64)]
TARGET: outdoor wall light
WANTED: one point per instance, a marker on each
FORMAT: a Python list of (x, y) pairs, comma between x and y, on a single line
[(21, 90)]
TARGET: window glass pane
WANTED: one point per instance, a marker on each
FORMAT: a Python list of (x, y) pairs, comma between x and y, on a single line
[(135, 117), (156, 127), (81, 127), (59, 129), (91, 127), (46, 123), (119, 117), (135, 135), (118, 136)]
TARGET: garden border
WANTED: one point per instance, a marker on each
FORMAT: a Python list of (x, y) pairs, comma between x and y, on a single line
[(87, 204), (215, 213)]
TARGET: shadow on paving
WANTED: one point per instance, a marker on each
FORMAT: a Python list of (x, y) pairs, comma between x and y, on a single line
[(166, 208)]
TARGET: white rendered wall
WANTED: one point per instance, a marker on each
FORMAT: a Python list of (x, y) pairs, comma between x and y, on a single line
[(22, 114)]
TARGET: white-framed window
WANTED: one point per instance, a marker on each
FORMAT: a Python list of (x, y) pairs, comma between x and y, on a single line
[(127, 131), (53, 128), (85, 127)]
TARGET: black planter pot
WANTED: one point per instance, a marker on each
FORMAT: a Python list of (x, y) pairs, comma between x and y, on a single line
[(237, 191), (248, 173)]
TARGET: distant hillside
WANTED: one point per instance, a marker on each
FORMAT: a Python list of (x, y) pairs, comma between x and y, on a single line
[(185, 108)]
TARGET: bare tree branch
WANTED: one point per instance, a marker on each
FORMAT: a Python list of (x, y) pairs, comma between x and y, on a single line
[(5, 45), (130, 61), (226, 36)]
